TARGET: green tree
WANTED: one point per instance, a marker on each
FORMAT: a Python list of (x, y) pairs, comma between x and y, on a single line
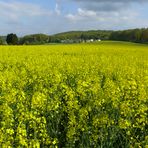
[(34, 39), (144, 36), (1, 41), (12, 39)]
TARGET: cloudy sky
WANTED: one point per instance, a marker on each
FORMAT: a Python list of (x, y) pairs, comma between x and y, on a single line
[(52, 16)]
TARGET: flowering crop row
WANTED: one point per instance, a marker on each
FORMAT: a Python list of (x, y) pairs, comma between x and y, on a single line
[(87, 95)]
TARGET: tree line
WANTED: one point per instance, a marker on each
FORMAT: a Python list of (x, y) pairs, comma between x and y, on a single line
[(74, 36), (132, 35)]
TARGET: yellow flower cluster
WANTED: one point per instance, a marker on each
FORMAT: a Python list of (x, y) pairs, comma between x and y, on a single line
[(87, 95)]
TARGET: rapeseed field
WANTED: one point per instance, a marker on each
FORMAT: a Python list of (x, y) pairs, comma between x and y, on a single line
[(74, 96)]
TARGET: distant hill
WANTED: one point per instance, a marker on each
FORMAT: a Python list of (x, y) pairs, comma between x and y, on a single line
[(91, 34), (71, 36)]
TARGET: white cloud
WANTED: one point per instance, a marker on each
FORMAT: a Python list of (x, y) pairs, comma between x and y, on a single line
[(16, 10), (57, 9), (86, 13), (23, 17), (89, 19), (82, 15), (107, 5), (89, 15)]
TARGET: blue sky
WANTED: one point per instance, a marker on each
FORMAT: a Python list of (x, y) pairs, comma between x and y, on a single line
[(52, 16)]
